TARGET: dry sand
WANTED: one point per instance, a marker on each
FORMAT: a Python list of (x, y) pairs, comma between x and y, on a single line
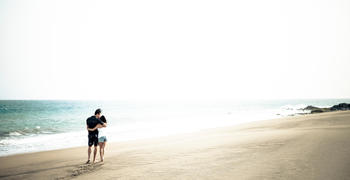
[(305, 147)]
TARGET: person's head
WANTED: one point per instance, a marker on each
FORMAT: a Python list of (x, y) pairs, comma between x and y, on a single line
[(103, 119), (98, 113)]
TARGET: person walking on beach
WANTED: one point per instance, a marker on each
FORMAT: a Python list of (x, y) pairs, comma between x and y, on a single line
[(91, 122), (102, 139)]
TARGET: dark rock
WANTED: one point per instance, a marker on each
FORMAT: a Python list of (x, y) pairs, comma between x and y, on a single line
[(317, 111), (311, 108), (314, 109), (341, 106)]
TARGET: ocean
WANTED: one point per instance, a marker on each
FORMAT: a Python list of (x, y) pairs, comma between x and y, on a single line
[(39, 125)]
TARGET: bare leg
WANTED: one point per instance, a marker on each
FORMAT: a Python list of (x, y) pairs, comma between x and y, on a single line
[(95, 152), (104, 146), (89, 153), (101, 151)]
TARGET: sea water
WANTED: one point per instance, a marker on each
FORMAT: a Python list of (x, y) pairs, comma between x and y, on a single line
[(38, 125)]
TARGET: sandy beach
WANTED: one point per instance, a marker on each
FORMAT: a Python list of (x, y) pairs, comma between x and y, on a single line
[(314, 146)]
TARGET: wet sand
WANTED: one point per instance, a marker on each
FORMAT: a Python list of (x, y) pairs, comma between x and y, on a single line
[(315, 146)]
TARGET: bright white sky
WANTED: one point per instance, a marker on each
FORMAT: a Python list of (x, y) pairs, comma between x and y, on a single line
[(174, 49)]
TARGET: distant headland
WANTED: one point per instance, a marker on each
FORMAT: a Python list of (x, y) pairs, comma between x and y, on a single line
[(338, 107)]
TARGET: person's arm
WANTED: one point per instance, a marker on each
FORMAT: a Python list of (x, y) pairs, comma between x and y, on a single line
[(102, 123), (90, 129), (93, 129)]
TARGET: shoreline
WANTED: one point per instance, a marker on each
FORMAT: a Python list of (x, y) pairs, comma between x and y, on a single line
[(136, 139), (29, 134), (188, 153), (193, 132)]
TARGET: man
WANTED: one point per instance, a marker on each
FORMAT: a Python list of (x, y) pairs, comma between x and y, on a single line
[(91, 122)]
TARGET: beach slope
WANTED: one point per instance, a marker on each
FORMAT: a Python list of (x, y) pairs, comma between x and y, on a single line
[(315, 146)]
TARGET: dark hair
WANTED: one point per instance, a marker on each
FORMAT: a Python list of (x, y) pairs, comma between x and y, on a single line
[(103, 119), (98, 111)]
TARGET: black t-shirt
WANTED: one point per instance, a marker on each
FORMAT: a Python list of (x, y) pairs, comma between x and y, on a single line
[(91, 122)]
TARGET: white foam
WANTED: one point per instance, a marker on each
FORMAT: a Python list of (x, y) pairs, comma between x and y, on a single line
[(15, 133)]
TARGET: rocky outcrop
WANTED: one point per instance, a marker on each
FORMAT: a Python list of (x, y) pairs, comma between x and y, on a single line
[(341, 106)]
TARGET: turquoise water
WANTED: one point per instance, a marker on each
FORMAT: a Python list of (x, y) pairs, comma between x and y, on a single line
[(28, 126)]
